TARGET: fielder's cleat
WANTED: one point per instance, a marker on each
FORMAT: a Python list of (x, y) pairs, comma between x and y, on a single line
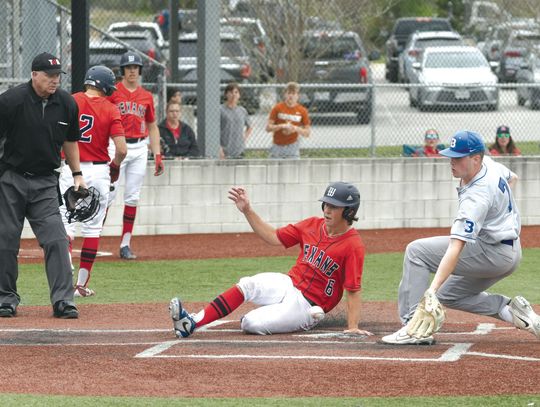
[(184, 324), (524, 316), (126, 253), (82, 291), (402, 338)]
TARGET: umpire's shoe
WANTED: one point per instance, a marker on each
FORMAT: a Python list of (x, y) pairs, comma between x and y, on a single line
[(126, 253), (524, 316), (65, 310), (184, 324), (8, 310)]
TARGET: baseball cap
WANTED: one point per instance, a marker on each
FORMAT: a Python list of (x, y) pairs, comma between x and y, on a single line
[(47, 63), (431, 134), (503, 130), (464, 143)]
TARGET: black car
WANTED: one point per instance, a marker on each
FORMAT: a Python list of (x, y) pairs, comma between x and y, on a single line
[(403, 28), (108, 52), (514, 51), (337, 57), (235, 66)]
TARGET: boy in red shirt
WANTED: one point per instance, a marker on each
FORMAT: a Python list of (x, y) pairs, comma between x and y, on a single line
[(331, 261)]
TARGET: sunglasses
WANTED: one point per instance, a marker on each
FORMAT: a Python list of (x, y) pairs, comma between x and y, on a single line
[(432, 136), (503, 135)]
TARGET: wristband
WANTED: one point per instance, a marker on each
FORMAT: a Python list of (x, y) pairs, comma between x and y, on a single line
[(75, 173)]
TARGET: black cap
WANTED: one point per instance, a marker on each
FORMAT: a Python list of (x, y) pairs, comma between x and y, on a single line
[(47, 63), (503, 130)]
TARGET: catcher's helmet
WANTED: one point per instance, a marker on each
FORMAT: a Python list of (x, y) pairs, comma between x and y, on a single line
[(130, 58), (102, 78), (81, 205), (345, 195)]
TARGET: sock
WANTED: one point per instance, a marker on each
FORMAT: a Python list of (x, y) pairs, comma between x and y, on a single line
[(223, 305), (129, 220), (88, 256), (506, 315)]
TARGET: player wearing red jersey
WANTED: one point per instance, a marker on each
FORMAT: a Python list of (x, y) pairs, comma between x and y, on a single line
[(136, 106), (331, 260), (99, 120)]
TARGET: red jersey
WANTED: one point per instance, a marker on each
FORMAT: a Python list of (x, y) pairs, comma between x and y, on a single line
[(326, 265), (136, 108), (99, 119)]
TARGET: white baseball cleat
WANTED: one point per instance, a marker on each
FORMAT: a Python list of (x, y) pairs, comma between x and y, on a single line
[(184, 324), (402, 338), (81, 291), (524, 316)]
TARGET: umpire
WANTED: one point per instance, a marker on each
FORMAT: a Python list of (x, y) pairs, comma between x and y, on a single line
[(37, 120)]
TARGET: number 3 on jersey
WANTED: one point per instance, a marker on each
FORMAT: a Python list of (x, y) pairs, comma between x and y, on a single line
[(87, 122)]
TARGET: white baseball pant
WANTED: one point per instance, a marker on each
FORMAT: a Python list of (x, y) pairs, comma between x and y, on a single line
[(132, 171)]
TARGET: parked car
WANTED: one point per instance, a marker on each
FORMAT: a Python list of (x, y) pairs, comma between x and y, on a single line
[(255, 40), (235, 65), (403, 28), (515, 50), (337, 57), (140, 26), (416, 44), (108, 52), (498, 34), (529, 74), (453, 77)]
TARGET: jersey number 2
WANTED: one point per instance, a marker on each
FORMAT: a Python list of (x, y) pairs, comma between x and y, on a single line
[(86, 137)]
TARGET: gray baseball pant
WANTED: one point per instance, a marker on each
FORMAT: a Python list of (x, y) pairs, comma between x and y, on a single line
[(35, 198), (479, 267)]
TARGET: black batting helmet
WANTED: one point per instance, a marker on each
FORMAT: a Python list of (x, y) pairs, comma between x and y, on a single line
[(101, 77), (345, 195), (81, 205), (130, 58)]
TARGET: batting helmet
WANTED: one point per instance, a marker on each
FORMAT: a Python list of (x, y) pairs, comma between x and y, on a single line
[(464, 143), (343, 194), (130, 58), (81, 205), (101, 77)]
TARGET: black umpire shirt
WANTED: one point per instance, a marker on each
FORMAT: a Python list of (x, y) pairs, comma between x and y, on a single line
[(34, 132)]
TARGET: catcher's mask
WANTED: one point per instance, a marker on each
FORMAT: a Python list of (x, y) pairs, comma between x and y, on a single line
[(81, 205), (344, 195)]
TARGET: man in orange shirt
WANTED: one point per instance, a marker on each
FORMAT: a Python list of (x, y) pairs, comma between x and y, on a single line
[(288, 120)]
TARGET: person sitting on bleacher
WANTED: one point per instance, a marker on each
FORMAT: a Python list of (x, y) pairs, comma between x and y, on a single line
[(431, 145)]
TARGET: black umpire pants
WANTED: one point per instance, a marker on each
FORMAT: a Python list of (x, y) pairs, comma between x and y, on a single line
[(34, 198)]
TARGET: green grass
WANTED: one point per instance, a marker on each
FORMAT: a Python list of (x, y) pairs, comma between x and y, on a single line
[(59, 401), (202, 280), (526, 147)]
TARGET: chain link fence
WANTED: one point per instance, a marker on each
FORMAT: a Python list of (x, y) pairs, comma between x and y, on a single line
[(357, 113)]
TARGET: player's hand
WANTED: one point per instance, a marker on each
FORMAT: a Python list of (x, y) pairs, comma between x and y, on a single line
[(239, 196), (160, 167), (114, 171), (78, 182), (357, 331)]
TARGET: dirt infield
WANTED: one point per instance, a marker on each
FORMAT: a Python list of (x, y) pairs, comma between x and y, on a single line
[(129, 349)]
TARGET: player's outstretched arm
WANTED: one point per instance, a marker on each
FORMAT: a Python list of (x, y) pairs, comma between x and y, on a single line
[(264, 230), (353, 314)]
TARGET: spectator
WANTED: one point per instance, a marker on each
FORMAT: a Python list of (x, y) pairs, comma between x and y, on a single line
[(235, 124), (431, 145), (177, 138), (287, 120), (174, 95), (504, 144)]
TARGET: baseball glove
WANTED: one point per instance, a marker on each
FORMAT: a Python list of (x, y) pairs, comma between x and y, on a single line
[(428, 317)]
